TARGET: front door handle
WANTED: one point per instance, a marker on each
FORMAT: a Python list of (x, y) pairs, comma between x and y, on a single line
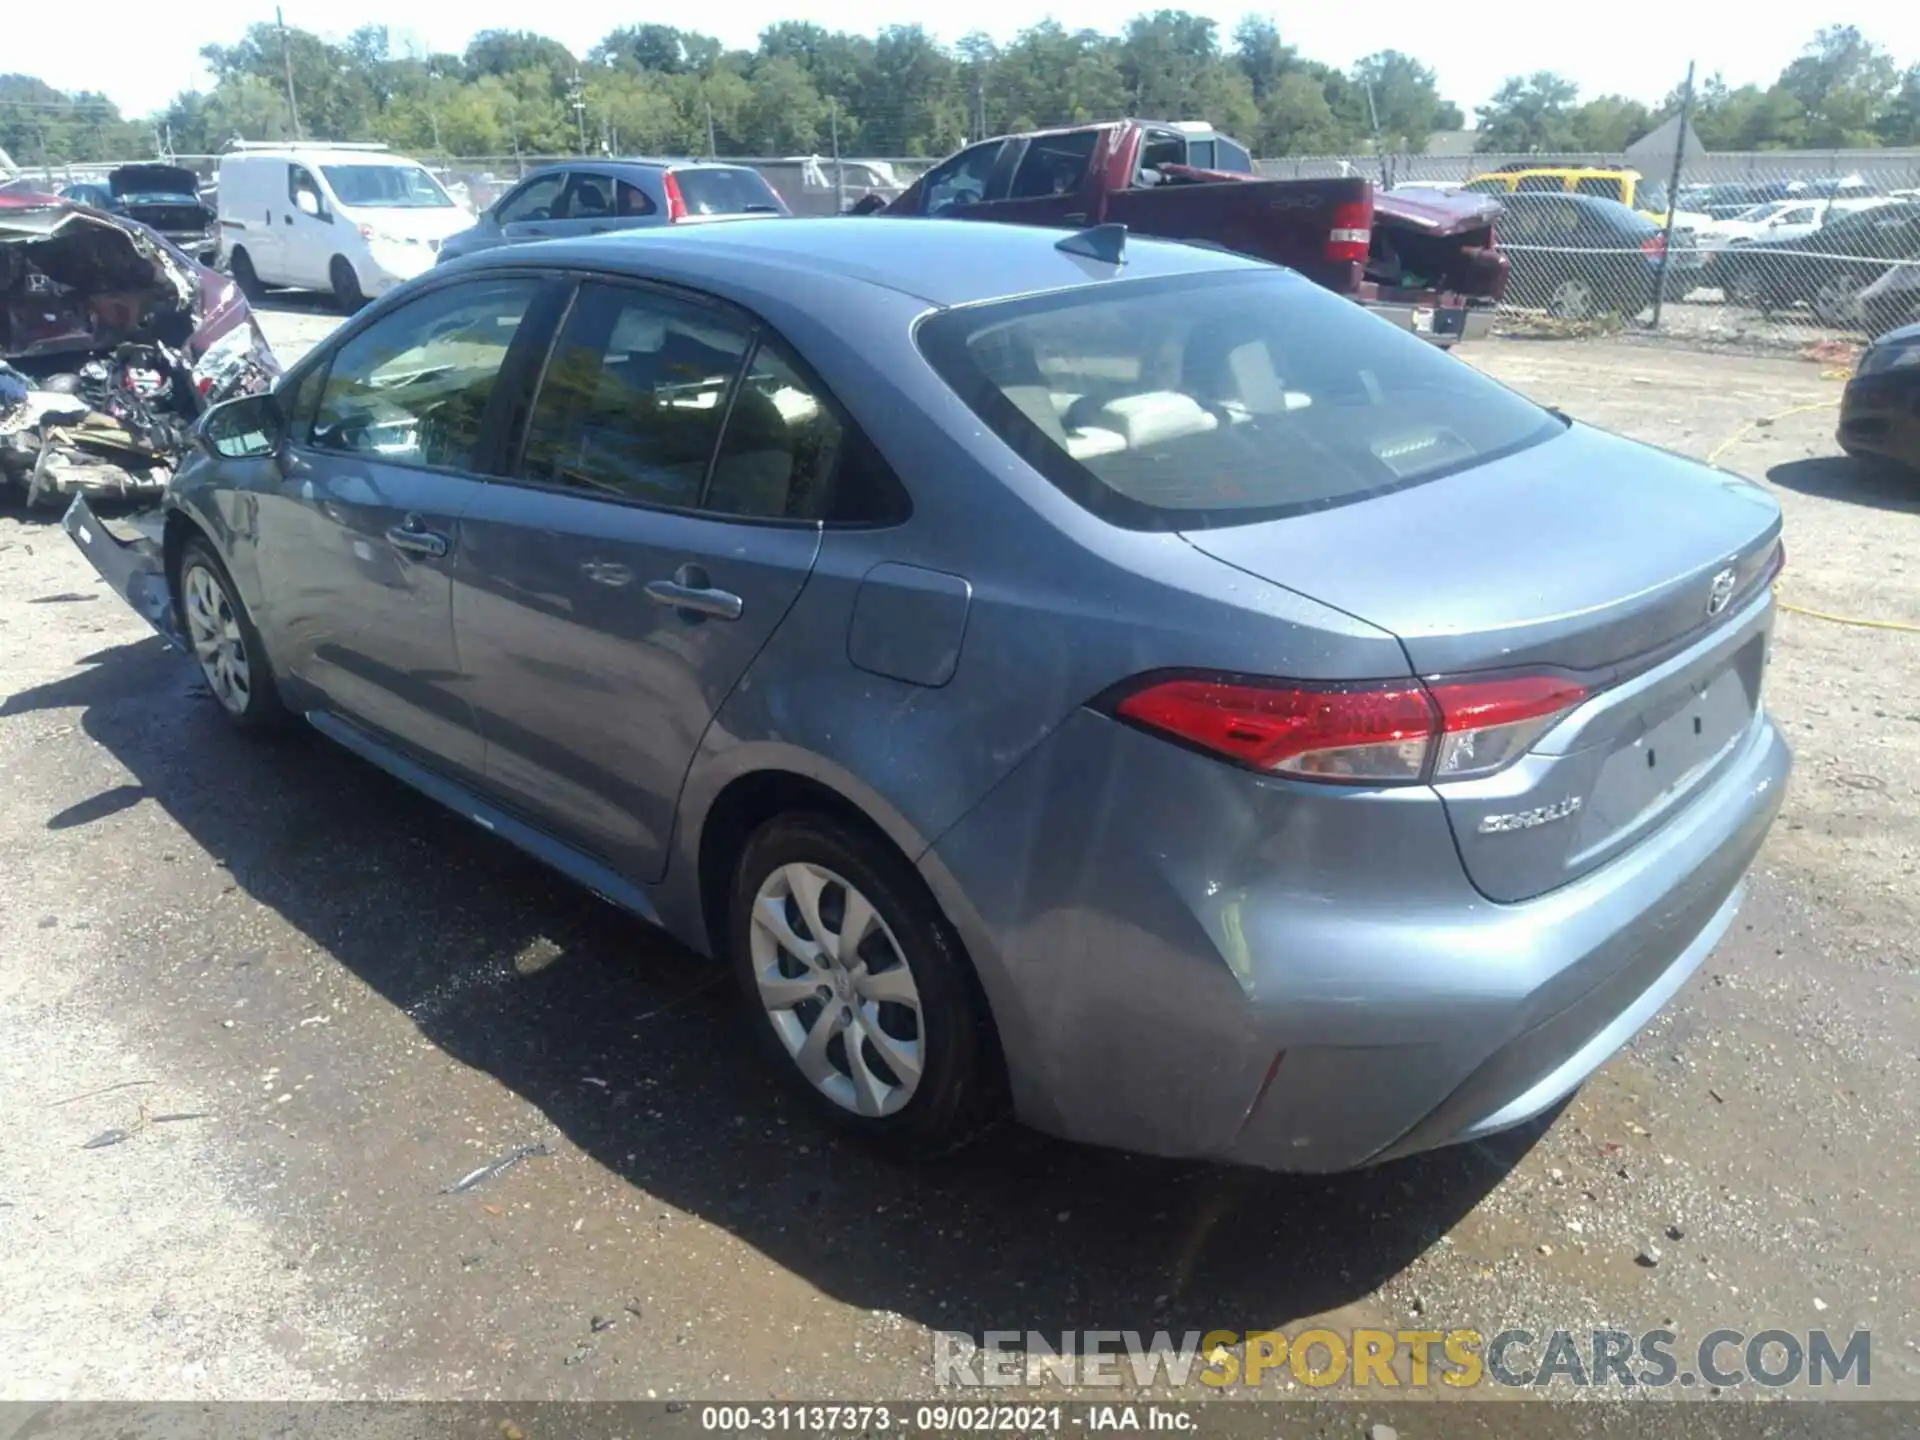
[(691, 592), (412, 536)]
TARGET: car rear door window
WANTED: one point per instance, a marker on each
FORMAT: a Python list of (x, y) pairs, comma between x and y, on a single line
[(630, 200), (413, 387), (1232, 156), (634, 395), (589, 196), (781, 448), (1222, 398)]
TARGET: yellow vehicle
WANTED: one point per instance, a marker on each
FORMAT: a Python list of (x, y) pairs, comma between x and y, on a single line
[(1629, 187)]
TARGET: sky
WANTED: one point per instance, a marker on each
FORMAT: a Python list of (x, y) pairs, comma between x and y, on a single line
[(1637, 50)]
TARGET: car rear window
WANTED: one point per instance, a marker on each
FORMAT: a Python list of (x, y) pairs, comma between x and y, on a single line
[(1221, 399), (725, 192)]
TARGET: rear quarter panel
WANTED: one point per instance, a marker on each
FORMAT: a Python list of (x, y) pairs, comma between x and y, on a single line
[(1061, 606)]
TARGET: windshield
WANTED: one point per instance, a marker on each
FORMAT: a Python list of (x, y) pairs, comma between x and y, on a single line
[(390, 187), (1221, 399)]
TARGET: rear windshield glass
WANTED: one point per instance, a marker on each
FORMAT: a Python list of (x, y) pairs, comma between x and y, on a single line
[(1221, 399), (725, 192)]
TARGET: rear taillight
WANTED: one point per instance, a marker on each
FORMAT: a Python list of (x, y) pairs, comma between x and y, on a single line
[(676, 202), (1351, 232), (1655, 245), (1397, 732)]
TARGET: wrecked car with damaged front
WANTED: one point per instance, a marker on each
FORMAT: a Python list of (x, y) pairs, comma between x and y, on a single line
[(112, 343), (165, 198)]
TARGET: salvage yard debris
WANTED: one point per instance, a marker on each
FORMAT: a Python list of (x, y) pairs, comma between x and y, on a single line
[(112, 344), (498, 1167)]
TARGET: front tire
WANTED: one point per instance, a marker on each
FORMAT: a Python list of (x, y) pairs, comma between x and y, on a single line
[(224, 641), (244, 275), (347, 294), (858, 988)]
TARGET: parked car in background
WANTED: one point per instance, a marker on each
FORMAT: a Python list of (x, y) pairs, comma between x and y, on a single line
[(1728, 200), (1421, 260), (1775, 220), (164, 197), (1892, 301), (1580, 256), (1409, 761), (593, 197), (1624, 186), (1880, 409), (1828, 269), (355, 220), (821, 185)]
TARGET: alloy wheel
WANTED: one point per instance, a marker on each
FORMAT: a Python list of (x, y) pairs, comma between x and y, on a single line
[(213, 628), (837, 989)]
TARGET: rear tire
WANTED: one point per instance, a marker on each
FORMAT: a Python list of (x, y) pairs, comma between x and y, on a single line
[(885, 1034), (244, 275), (224, 642), (347, 293)]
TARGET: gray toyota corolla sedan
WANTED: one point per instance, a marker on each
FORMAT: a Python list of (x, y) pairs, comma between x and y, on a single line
[(1113, 679)]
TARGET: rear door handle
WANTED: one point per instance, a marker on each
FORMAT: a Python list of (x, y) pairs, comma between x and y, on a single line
[(412, 536), (691, 591)]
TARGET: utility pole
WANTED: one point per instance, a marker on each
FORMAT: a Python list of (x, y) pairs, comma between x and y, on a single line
[(577, 97), (839, 170), (1673, 196), (980, 103), (712, 149), (1379, 145), (286, 62)]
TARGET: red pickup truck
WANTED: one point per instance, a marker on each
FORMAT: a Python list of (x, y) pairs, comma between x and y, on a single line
[(1427, 263)]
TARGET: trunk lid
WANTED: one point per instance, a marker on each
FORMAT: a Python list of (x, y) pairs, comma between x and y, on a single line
[(169, 180), (1643, 573), (1288, 222)]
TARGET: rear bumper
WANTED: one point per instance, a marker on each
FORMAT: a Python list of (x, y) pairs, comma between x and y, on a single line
[(135, 567), (1185, 960), (1436, 323), (1880, 415)]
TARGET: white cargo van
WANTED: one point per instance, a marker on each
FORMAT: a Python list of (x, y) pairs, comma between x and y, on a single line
[(355, 220)]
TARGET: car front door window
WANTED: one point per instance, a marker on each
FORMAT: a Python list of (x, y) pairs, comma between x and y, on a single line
[(412, 388), (534, 201), (961, 180)]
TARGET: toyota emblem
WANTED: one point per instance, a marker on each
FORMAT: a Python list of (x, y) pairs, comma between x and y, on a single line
[(1720, 592)]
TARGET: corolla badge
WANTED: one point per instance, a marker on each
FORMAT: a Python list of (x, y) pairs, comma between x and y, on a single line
[(1720, 592), (1528, 819)]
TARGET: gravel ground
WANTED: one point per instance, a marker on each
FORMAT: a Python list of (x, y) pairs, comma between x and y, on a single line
[(362, 999)]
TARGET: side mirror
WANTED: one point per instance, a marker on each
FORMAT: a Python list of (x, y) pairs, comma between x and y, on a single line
[(247, 428), (307, 203)]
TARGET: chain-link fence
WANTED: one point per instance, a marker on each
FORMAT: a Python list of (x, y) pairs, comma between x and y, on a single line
[(1774, 247), (1769, 247)]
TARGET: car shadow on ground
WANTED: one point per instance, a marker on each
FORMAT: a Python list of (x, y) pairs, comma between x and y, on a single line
[(509, 969), (1860, 481)]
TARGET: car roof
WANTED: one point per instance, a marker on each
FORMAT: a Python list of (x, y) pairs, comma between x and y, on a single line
[(944, 262), (630, 162)]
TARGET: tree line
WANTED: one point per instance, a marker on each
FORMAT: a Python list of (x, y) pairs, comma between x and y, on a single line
[(804, 89)]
